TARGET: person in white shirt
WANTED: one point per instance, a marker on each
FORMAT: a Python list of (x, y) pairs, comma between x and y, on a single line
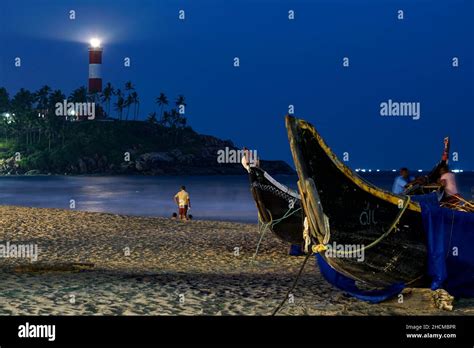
[(448, 181)]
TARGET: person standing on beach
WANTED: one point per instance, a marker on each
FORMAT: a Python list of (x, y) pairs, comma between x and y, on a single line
[(183, 202)]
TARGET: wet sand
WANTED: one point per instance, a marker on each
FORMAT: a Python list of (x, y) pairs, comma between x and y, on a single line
[(155, 266)]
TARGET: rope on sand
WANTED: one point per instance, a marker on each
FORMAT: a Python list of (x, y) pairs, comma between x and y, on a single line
[(275, 311), (443, 300)]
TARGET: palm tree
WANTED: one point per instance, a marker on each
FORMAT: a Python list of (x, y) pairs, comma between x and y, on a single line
[(119, 104), (4, 108), (175, 119), (129, 86), (22, 109), (136, 103), (51, 120), (165, 119), (180, 118), (128, 102), (55, 97), (162, 100), (182, 121), (107, 96), (4, 100), (152, 117), (42, 98), (79, 95), (180, 100), (174, 116), (42, 109)]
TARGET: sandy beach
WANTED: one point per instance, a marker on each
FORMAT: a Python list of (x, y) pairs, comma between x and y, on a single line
[(105, 264)]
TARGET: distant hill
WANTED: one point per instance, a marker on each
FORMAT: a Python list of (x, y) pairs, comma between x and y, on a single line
[(122, 147)]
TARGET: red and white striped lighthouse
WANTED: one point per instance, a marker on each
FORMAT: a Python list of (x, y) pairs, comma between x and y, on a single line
[(95, 63)]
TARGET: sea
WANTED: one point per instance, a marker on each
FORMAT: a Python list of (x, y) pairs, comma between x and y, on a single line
[(225, 198)]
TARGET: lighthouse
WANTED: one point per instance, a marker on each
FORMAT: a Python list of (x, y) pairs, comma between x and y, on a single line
[(95, 63)]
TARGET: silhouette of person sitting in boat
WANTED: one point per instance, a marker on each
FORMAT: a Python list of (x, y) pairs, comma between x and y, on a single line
[(401, 181)]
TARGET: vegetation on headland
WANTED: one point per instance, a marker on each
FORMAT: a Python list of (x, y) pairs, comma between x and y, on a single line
[(34, 139)]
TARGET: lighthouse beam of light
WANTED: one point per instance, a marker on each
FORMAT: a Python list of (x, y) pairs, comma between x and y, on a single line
[(95, 42)]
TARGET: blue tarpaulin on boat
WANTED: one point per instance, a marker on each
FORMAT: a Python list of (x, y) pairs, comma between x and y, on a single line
[(450, 243), (348, 285), (450, 246)]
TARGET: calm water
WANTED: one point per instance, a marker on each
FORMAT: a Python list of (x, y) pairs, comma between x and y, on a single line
[(212, 197)]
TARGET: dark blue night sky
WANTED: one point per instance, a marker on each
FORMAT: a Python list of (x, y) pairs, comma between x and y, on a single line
[(282, 62)]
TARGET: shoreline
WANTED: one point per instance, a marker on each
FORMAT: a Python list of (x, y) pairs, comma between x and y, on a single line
[(244, 174), (183, 176)]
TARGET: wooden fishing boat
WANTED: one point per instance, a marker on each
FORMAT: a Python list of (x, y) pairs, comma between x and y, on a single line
[(354, 217), (273, 198), (279, 207)]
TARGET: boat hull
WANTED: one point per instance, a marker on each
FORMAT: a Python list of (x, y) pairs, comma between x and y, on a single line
[(357, 214), (274, 201)]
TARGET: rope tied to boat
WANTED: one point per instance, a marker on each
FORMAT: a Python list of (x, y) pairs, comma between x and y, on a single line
[(320, 248), (306, 234), (293, 286), (316, 249), (264, 226)]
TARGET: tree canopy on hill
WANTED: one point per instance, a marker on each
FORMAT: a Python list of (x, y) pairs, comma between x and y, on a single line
[(36, 139), (31, 128)]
